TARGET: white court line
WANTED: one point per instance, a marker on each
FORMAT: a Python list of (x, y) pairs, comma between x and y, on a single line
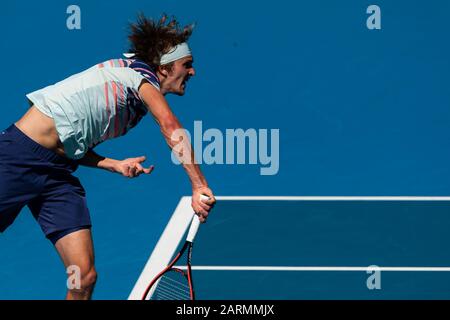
[(165, 247), (332, 198), (180, 220), (279, 268)]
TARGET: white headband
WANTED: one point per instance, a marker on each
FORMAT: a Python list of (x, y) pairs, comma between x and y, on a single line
[(180, 51)]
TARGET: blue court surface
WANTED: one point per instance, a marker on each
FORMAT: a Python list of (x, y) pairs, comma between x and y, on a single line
[(314, 248)]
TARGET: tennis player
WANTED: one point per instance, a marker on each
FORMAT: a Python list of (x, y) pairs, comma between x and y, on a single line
[(40, 152)]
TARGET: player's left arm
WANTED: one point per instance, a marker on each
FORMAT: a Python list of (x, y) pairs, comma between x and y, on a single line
[(131, 167)]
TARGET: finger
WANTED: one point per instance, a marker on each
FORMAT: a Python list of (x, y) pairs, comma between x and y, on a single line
[(132, 172), (202, 218), (197, 205), (204, 206), (149, 170), (205, 217), (126, 171), (140, 159), (210, 201), (139, 169), (201, 211)]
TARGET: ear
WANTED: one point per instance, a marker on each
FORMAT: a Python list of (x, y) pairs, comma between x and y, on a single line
[(163, 71)]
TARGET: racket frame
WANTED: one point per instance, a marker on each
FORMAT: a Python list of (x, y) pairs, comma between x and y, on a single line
[(193, 229)]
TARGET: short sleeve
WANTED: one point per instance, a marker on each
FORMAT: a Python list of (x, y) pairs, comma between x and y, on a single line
[(146, 71)]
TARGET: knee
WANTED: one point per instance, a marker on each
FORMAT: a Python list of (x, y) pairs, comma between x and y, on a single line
[(88, 279), (83, 282)]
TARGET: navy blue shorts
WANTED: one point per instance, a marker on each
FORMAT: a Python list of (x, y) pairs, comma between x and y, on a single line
[(34, 176)]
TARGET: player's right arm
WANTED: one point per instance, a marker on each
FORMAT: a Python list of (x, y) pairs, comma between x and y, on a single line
[(178, 141)]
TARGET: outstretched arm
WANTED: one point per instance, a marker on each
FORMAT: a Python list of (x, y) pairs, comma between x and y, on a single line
[(179, 143)]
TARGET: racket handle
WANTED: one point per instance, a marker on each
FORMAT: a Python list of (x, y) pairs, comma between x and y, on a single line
[(195, 224)]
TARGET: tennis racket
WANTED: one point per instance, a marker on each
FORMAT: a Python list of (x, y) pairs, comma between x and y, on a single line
[(174, 283)]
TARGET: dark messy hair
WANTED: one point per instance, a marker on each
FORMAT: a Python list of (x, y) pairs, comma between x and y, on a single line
[(151, 39)]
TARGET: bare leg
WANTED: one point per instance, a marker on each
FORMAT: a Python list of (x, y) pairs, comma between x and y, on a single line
[(76, 249)]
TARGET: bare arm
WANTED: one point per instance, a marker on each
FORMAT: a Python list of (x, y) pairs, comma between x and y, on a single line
[(130, 167), (173, 133), (179, 143)]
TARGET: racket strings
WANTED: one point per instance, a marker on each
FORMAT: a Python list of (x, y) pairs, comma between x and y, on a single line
[(173, 285)]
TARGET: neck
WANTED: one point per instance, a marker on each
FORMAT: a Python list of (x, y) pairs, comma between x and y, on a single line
[(162, 83)]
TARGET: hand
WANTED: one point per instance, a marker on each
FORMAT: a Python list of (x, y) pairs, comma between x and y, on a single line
[(202, 207), (132, 167)]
